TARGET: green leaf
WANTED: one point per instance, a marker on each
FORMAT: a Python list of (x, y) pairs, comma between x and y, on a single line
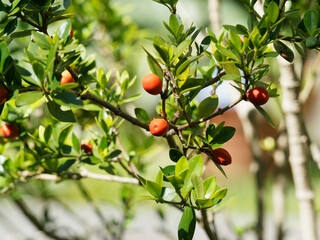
[(28, 98), (284, 51), (56, 112), (236, 41), (67, 163), (180, 49), (231, 77), (181, 165), (311, 20), (175, 154), (41, 40), (207, 106), (47, 133), (196, 165), (226, 52), (159, 178), (205, 43), (38, 70), (67, 99), (64, 133), (176, 181), (154, 66), (224, 135), (91, 160), (4, 54), (142, 115), (209, 185), (265, 115), (205, 203), (154, 189), (198, 186), (221, 193), (168, 194), (75, 143), (273, 12), (174, 24), (187, 224), (64, 30)]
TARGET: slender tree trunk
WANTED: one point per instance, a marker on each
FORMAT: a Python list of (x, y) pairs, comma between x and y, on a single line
[(214, 15), (280, 157), (297, 155)]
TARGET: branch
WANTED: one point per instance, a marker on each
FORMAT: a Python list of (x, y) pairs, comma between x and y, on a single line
[(220, 111), (39, 225), (116, 110), (76, 176)]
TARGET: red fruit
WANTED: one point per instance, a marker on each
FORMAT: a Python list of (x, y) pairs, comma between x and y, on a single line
[(66, 77), (71, 33), (158, 127), (152, 84), (258, 95), (87, 147), (9, 130), (221, 156), (3, 95)]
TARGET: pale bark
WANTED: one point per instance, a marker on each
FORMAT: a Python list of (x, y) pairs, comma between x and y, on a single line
[(214, 15), (297, 155), (279, 187)]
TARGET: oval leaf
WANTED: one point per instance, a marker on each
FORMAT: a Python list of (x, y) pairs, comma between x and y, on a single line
[(28, 98), (207, 106)]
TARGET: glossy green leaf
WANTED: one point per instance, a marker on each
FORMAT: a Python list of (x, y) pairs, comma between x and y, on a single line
[(175, 154), (154, 66), (142, 115), (67, 99), (181, 165), (205, 203), (168, 194), (41, 39), (198, 186), (196, 165), (4, 54), (64, 30), (207, 106), (311, 20), (224, 135), (91, 160), (28, 98), (209, 185), (66, 164), (75, 143), (180, 49), (284, 51), (64, 133), (273, 12), (56, 111), (187, 224), (221, 193), (47, 133), (176, 181)]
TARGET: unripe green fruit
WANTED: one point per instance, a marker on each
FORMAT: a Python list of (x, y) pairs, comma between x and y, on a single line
[(3, 17), (312, 42)]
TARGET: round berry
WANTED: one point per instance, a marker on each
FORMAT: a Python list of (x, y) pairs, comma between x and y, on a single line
[(3, 95), (66, 77), (87, 148), (9, 130), (152, 84), (158, 127), (258, 95)]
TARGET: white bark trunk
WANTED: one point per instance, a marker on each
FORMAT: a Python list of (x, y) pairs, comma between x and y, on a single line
[(297, 155), (214, 15)]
